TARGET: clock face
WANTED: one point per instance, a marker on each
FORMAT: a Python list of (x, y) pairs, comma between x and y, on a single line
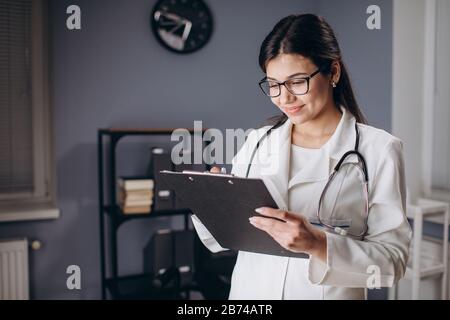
[(182, 26)]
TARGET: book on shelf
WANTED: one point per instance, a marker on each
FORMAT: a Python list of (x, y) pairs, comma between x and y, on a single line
[(136, 209), (137, 195), (135, 203), (129, 183)]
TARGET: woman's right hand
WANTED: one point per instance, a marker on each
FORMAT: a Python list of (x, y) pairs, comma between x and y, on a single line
[(215, 170)]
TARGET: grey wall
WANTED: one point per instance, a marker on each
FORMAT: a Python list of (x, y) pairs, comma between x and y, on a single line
[(113, 73), (367, 53)]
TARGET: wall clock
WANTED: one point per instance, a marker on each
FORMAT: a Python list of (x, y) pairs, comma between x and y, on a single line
[(182, 26)]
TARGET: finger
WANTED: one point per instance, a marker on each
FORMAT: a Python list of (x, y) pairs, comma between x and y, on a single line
[(279, 214), (262, 227), (268, 223), (280, 237), (215, 170), (272, 226)]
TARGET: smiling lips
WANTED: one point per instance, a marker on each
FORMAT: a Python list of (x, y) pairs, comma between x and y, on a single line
[(293, 110)]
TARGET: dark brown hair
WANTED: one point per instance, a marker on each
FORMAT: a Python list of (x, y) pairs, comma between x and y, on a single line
[(312, 37)]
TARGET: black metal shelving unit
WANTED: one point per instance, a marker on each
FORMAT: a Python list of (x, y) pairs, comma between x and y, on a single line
[(111, 218)]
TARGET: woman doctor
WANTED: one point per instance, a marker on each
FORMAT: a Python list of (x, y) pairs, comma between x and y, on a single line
[(307, 80)]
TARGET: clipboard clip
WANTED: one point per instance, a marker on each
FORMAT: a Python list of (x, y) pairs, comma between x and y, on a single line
[(221, 174), (200, 173)]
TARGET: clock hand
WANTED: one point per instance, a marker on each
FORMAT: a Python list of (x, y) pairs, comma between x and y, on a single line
[(187, 30), (170, 16), (166, 23), (174, 20), (171, 31)]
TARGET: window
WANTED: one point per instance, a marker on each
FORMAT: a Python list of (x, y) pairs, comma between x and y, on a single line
[(25, 162), (436, 102), (440, 173)]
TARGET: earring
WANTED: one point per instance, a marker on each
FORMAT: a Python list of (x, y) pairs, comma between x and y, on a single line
[(333, 84)]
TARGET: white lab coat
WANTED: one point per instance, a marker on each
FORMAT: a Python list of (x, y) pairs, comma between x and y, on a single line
[(351, 263)]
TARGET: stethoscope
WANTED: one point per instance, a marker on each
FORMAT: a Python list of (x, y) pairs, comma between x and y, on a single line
[(361, 165)]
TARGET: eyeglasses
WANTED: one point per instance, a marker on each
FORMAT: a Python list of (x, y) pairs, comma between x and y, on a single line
[(296, 86)]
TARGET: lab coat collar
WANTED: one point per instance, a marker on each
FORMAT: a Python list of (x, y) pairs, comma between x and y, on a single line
[(343, 138), (277, 181)]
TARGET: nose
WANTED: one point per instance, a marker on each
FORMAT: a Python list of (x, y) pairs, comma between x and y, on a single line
[(285, 96)]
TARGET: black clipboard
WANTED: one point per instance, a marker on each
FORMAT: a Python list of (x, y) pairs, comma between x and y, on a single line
[(224, 203)]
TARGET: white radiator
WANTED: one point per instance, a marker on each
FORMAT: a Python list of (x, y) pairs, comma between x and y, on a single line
[(14, 269)]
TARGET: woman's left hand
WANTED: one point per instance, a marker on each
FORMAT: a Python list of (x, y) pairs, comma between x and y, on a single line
[(293, 232)]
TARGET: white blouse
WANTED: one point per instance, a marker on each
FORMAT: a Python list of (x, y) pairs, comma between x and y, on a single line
[(300, 157), (297, 269)]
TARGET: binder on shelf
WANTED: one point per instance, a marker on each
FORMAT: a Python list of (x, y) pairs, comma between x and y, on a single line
[(158, 252), (189, 166), (184, 249), (169, 249), (163, 197), (184, 254), (179, 204)]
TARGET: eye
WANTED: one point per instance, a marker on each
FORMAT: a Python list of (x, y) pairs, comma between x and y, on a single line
[(297, 81)]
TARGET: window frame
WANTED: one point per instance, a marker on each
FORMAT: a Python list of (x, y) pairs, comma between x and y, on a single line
[(430, 60), (41, 203)]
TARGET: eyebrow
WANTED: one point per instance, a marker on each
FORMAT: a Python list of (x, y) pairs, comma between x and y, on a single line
[(291, 76)]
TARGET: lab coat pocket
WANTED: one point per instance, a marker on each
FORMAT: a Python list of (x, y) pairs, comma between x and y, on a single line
[(343, 223)]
